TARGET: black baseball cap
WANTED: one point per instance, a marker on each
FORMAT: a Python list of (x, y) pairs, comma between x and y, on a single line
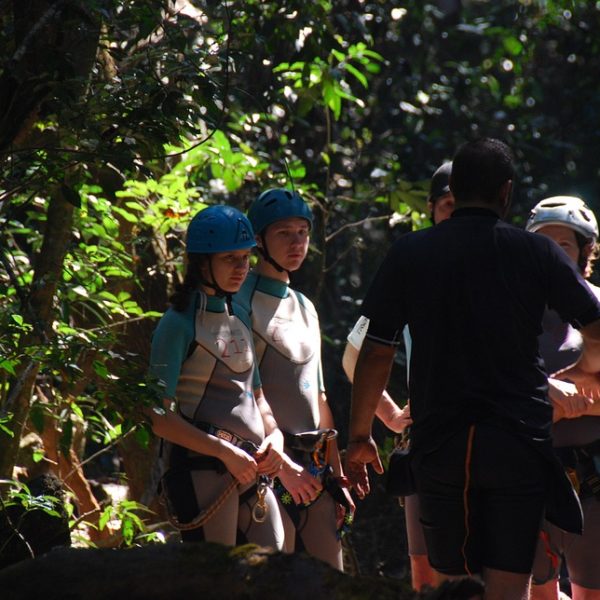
[(440, 182)]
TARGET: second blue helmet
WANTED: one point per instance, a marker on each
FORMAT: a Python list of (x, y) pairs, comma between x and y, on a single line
[(277, 204)]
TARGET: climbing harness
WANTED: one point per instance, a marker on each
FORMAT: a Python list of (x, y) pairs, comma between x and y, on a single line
[(185, 465), (311, 449)]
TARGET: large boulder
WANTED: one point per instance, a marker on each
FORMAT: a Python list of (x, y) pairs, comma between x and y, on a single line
[(187, 571)]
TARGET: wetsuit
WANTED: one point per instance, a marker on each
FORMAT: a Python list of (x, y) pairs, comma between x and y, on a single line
[(578, 442), (473, 291), (206, 360), (288, 345)]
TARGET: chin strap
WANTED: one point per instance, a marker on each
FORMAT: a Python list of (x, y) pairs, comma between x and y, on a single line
[(219, 291), (264, 251)]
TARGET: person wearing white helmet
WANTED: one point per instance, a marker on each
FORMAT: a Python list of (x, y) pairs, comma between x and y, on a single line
[(572, 225), (222, 443)]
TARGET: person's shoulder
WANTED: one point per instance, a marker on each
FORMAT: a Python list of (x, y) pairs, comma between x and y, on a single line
[(595, 289), (243, 298), (412, 238), (241, 312), (175, 318), (175, 323), (304, 300)]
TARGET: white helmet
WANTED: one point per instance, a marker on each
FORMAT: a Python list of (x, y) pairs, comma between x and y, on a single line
[(569, 211)]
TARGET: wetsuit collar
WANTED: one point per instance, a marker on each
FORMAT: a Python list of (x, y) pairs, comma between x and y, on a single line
[(215, 303), (273, 287), (474, 211)]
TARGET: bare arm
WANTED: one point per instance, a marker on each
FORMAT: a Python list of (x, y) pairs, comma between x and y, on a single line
[(326, 422), (270, 453), (370, 379), (173, 428), (585, 372), (392, 416), (567, 402)]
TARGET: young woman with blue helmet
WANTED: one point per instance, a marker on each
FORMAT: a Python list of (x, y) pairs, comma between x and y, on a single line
[(222, 442)]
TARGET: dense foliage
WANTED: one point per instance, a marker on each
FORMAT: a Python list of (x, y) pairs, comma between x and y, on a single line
[(120, 119)]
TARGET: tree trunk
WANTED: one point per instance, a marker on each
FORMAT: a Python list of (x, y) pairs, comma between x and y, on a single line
[(47, 272)]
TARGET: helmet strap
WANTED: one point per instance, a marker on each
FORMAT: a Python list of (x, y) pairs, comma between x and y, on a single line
[(264, 251), (213, 285)]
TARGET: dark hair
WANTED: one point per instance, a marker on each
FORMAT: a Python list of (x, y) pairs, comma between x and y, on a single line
[(586, 261), (479, 169), (191, 282)]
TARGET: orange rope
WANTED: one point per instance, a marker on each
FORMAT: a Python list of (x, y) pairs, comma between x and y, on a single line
[(466, 496), (205, 515)]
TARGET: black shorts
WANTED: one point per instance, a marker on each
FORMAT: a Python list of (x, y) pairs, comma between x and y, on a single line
[(482, 496)]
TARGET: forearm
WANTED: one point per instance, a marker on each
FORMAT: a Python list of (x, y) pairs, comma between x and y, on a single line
[(387, 410), (272, 430), (173, 428), (370, 379), (326, 422)]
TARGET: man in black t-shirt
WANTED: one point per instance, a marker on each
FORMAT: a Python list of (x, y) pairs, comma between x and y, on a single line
[(473, 291)]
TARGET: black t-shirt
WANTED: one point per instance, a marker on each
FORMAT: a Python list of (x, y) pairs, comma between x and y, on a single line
[(473, 291)]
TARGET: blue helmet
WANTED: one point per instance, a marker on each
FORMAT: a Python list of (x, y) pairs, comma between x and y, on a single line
[(275, 205), (219, 228)]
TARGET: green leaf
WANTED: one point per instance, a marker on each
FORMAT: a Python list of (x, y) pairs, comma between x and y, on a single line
[(127, 530), (513, 45), (361, 78), (8, 365), (142, 435), (125, 214), (100, 369), (105, 517)]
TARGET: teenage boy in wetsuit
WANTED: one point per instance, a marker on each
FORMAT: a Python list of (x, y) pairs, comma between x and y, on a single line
[(311, 489)]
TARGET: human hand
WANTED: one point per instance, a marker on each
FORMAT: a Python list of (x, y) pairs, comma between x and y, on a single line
[(400, 420), (302, 486), (341, 510), (359, 454), (587, 384), (269, 459), (567, 402), (239, 463)]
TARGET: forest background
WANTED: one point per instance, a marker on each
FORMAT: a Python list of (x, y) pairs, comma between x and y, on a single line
[(119, 120)]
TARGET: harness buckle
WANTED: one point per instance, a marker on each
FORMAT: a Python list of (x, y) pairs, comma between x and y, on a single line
[(260, 509), (224, 435)]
